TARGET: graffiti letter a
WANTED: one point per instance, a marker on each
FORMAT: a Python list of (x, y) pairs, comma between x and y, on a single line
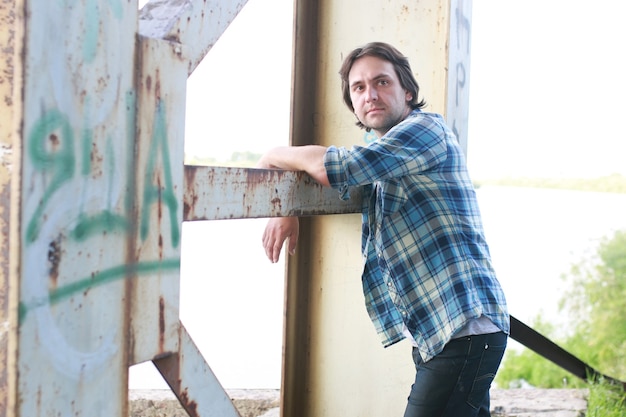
[(154, 190)]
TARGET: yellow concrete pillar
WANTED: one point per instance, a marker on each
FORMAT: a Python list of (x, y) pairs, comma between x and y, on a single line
[(334, 362)]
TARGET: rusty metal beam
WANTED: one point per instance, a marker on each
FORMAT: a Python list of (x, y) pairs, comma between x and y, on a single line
[(216, 193), (193, 382), (197, 24)]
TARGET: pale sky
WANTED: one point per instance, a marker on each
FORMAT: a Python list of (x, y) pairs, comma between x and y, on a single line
[(547, 88)]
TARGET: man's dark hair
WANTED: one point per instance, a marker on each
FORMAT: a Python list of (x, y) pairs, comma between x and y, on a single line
[(388, 53)]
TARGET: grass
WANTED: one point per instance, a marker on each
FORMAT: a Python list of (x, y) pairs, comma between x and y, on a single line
[(606, 400)]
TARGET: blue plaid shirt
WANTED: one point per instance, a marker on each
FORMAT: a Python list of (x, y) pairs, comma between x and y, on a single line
[(427, 265)]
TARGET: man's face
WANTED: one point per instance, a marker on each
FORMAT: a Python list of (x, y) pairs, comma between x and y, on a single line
[(379, 100)]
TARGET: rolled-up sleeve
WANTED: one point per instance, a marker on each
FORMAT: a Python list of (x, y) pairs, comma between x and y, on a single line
[(412, 147), (334, 162)]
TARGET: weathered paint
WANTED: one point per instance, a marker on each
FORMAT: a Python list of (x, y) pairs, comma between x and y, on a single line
[(91, 253), (74, 219), (193, 382), (214, 193), (457, 109), (158, 178), (9, 99), (198, 24)]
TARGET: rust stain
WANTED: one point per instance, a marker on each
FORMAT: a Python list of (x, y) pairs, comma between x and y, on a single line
[(188, 206), (54, 259), (169, 367), (190, 197), (175, 38), (149, 83), (261, 176), (189, 405), (96, 161), (160, 215), (161, 324), (276, 202), (157, 86), (160, 200), (54, 141), (190, 174)]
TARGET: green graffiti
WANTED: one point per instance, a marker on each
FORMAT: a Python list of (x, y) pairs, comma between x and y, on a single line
[(93, 225), (93, 25), (51, 148), (98, 279), (87, 140), (155, 193), (92, 30), (116, 6), (131, 120)]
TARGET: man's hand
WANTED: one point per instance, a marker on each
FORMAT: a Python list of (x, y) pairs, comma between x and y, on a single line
[(278, 230)]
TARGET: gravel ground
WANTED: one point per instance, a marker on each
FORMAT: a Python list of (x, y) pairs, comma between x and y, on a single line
[(163, 403), (538, 403), (264, 403)]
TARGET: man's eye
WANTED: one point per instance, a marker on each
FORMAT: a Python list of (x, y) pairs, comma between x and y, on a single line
[(383, 82)]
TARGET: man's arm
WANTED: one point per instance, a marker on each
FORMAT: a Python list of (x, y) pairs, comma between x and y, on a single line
[(308, 158)]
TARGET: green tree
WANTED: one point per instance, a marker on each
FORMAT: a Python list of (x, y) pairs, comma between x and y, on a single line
[(596, 310), (596, 303), (527, 367)]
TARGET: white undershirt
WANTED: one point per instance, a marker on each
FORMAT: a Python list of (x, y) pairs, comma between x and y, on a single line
[(481, 325)]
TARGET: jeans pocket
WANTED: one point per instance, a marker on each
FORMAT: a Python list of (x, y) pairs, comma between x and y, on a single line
[(489, 364)]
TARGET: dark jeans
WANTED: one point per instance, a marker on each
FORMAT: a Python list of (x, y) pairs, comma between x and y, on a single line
[(456, 382)]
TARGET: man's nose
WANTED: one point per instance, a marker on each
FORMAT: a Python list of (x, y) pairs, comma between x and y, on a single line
[(372, 94)]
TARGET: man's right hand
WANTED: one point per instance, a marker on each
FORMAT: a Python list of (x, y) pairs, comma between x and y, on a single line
[(278, 230)]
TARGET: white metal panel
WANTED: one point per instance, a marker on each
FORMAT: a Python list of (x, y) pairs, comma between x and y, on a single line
[(72, 337), (158, 182)]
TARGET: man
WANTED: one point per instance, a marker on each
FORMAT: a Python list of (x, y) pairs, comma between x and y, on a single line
[(428, 275)]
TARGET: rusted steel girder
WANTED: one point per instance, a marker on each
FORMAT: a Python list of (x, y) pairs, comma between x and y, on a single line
[(217, 193), (187, 373), (195, 24)]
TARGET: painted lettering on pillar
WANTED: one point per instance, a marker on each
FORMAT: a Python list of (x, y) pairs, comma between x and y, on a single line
[(81, 194), (153, 193), (459, 60), (51, 150)]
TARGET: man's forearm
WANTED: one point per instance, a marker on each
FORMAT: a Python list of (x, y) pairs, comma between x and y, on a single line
[(309, 158)]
